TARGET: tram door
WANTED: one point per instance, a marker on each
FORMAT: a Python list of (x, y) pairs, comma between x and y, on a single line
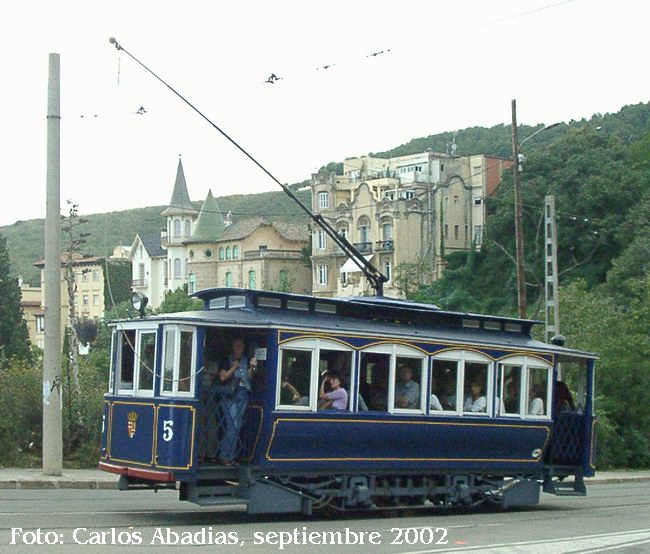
[(230, 411), (573, 427)]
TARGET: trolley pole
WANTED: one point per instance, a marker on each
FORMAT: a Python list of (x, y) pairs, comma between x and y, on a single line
[(519, 235), (52, 400)]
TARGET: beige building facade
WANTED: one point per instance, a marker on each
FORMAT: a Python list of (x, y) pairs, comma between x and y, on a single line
[(202, 249), (88, 291), (403, 214), (33, 314)]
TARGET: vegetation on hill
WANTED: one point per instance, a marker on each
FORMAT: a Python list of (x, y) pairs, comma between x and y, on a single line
[(25, 239), (599, 172), (601, 184)]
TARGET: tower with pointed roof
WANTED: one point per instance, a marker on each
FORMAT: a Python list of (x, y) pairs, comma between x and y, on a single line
[(181, 220)]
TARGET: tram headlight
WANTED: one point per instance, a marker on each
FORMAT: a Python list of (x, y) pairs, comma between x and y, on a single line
[(139, 302)]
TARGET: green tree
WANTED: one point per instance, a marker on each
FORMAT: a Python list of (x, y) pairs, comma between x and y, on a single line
[(14, 338), (592, 320), (178, 301)]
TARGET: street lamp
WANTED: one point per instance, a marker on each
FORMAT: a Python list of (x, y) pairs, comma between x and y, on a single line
[(519, 237)]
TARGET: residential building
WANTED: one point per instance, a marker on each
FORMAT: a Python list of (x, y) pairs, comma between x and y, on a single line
[(252, 253), (88, 291), (33, 313), (403, 214), (203, 249)]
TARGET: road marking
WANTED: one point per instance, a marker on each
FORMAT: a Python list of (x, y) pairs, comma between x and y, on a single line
[(584, 544)]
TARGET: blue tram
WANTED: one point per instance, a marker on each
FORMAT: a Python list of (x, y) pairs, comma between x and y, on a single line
[(441, 409)]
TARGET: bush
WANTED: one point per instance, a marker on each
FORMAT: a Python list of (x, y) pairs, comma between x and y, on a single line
[(21, 416)]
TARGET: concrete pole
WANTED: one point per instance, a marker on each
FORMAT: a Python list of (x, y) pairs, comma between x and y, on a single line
[(52, 399), (519, 235)]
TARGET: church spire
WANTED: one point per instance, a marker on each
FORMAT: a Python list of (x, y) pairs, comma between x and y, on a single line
[(180, 203)]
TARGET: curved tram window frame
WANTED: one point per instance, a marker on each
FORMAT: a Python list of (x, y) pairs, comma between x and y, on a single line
[(135, 373), (527, 372), (463, 359), (319, 353), (178, 367)]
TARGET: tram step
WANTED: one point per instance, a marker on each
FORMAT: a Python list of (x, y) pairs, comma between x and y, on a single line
[(215, 495)]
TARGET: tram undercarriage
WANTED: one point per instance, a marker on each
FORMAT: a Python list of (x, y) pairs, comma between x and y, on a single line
[(341, 493)]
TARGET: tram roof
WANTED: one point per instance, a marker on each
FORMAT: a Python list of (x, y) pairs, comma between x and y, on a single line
[(362, 316)]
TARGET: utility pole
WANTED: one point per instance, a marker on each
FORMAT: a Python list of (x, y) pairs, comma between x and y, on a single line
[(519, 235), (52, 399), (550, 269)]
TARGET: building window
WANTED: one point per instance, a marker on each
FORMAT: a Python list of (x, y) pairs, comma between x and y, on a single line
[(208, 253), (456, 231), (177, 227), (343, 232), (40, 323), (446, 231), (228, 253), (363, 232), (387, 229), (229, 279), (478, 200), (235, 252), (95, 299), (478, 234), (222, 253), (84, 276), (455, 199), (188, 227), (322, 240), (177, 268), (322, 275), (84, 300), (388, 270), (95, 275), (191, 283), (252, 279), (285, 283), (323, 200)]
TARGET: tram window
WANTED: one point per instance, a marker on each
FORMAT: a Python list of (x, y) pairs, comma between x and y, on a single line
[(185, 362), (537, 392), (146, 355), (510, 389), (178, 360), (444, 384), (127, 360), (338, 362), (408, 377), (373, 381), (295, 378), (476, 387), (168, 361)]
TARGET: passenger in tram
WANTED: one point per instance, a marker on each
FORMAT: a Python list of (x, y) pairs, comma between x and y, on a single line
[(336, 398), (379, 391), (563, 398), (511, 403), (476, 401), (236, 386), (434, 403), (407, 391), (536, 406), (448, 394)]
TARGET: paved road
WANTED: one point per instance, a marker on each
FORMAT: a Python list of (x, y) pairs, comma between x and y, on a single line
[(614, 517)]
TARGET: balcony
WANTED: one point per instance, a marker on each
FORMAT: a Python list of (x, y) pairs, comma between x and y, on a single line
[(275, 254), (384, 246), (363, 246), (139, 283)]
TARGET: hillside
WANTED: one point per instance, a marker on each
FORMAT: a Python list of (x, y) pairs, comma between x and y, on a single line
[(25, 239)]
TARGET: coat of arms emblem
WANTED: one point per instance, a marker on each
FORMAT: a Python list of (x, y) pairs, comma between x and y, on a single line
[(131, 424)]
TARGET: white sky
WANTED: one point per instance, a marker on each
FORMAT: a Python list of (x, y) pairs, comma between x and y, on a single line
[(451, 65)]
